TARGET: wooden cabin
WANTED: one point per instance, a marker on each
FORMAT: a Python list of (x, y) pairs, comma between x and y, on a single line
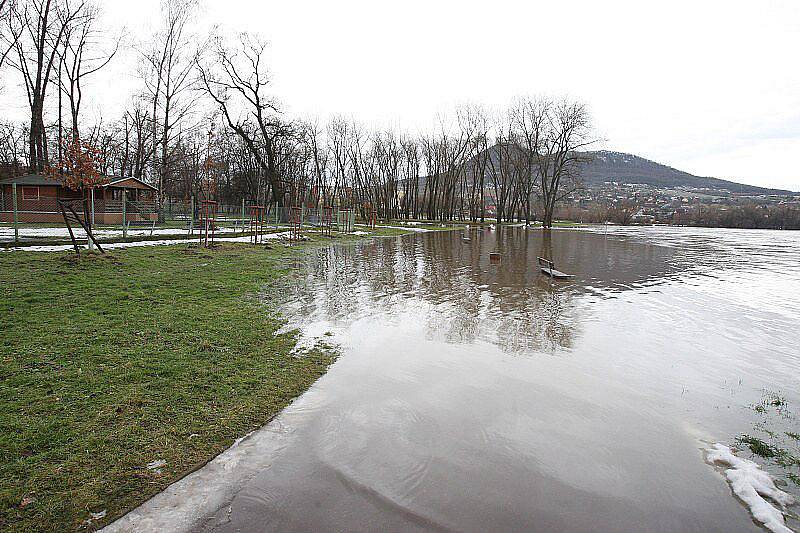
[(38, 195)]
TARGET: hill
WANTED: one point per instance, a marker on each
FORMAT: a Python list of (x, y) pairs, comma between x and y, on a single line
[(620, 167), (604, 166)]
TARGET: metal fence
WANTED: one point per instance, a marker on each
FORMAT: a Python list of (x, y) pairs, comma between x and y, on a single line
[(26, 218)]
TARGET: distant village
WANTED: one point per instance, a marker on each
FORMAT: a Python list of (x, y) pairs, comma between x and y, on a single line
[(645, 204), (638, 203)]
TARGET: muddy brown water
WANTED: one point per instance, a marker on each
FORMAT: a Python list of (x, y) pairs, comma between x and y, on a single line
[(474, 396)]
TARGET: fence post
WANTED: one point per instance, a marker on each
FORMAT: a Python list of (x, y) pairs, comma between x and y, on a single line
[(124, 226), (191, 214), (16, 216), (90, 223)]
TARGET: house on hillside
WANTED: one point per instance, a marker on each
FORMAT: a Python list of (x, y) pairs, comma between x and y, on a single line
[(38, 195), (642, 218)]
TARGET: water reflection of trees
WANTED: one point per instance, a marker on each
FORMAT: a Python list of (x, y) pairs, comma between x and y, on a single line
[(460, 297)]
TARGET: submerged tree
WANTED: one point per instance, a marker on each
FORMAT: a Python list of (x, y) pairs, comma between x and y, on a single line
[(566, 132)]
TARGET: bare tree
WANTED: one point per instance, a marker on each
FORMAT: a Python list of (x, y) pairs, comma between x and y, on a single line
[(501, 166), (622, 212), (141, 138), (566, 132), (236, 80), (41, 26), (319, 157), (81, 55), (167, 73), (409, 206), (8, 9), (339, 137), (529, 118), (475, 121), (12, 149)]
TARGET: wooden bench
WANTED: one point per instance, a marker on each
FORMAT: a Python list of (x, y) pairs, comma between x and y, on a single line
[(549, 268)]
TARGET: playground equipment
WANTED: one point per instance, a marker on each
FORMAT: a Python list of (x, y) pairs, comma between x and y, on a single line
[(295, 223), (371, 216), (208, 222), (258, 223), (71, 216), (344, 220), (326, 220)]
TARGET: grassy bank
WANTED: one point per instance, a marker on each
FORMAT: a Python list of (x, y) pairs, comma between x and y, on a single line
[(113, 362)]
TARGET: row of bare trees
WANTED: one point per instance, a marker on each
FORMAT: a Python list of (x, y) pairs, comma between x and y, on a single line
[(56, 46), (52, 43), (206, 122), (508, 164)]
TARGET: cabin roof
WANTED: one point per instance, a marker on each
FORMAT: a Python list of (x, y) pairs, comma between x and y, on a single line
[(118, 183), (42, 180), (30, 179)]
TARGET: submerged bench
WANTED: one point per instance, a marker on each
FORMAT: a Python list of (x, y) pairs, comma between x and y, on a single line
[(549, 268)]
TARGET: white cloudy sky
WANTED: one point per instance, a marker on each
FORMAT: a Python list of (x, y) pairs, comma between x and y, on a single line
[(707, 86)]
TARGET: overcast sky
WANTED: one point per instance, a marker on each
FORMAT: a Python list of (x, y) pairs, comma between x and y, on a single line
[(710, 87)]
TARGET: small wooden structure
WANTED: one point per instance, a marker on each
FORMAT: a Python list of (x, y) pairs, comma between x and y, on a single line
[(548, 268), (344, 220), (67, 208), (494, 257), (326, 221), (208, 222), (371, 216), (38, 196), (296, 223), (258, 222)]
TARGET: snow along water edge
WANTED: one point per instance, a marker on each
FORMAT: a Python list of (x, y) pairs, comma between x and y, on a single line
[(753, 486), (161, 242)]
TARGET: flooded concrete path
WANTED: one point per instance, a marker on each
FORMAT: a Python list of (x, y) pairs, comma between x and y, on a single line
[(473, 396)]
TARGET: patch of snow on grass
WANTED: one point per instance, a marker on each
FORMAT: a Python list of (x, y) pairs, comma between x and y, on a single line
[(752, 485), (93, 517), (133, 244), (7, 232), (156, 465)]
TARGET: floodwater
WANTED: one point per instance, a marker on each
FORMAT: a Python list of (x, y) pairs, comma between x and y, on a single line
[(474, 396)]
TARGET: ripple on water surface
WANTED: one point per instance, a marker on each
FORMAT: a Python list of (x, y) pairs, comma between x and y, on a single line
[(477, 396), (678, 327)]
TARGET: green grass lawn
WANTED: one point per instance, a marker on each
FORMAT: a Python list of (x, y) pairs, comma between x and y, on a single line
[(110, 362)]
